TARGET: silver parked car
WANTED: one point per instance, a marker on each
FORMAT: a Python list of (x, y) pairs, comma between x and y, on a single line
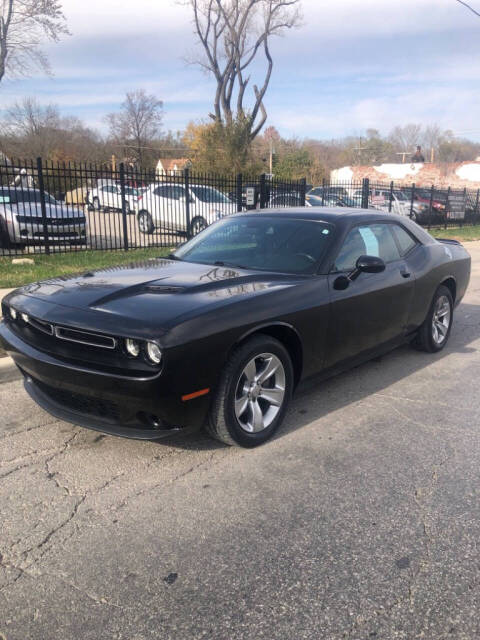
[(21, 220)]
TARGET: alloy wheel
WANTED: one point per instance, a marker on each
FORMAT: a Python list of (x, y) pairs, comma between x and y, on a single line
[(441, 319), (260, 392)]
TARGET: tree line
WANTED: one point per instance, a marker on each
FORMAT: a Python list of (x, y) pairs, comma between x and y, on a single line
[(135, 135)]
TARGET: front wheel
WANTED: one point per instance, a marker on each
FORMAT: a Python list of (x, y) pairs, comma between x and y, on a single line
[(434, 333), (197, 225), (145, 223), (253, 394)]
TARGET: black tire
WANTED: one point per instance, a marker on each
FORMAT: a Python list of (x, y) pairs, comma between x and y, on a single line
[(425, 339), (197, 224), (5, 242), (222, 422), (145, 223)]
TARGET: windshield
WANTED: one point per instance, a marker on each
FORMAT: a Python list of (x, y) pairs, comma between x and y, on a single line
[(259, 242), (15, 196), (209, 194)]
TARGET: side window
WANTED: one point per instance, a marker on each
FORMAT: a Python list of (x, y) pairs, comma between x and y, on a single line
[(367, 240), (404, 239), (170, 191)]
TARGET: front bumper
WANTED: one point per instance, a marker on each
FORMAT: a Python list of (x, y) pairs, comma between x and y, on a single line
[(114, 404)]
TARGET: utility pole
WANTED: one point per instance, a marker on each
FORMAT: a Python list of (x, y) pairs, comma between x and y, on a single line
[(359, 149), (114, 163), (403, 154), (432, 155), (272, 151)]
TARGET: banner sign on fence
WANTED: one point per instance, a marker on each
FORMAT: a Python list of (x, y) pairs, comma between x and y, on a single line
[(456, 205)]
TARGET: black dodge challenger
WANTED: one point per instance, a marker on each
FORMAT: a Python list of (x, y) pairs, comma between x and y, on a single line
[(219, 334)]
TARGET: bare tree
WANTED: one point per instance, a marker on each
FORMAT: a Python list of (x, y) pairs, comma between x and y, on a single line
[(138, 123), (24, 24), (406, 138), (29, 118), (233, 33)]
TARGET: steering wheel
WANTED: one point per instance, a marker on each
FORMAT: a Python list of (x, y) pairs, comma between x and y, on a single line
[(307, 256)]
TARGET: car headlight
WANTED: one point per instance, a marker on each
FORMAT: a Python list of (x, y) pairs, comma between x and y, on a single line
[(132, 347), (13, 313), (154, 353), (24, 317)]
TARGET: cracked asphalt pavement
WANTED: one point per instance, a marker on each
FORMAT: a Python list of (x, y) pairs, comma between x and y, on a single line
[(360, 520)]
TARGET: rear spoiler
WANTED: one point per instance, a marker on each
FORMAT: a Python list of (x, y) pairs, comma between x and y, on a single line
[(447, 241)]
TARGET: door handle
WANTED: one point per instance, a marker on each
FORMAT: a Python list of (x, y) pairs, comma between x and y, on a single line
[(405, 273)]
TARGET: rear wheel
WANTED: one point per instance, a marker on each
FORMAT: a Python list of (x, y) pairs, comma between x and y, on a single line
[(434, 333), (253, 394), (145, 223), (5, 242)]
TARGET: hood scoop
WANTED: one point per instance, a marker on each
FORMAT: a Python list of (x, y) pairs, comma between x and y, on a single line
[(163, 288)]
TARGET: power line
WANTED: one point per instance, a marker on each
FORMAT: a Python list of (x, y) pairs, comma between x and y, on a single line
[(465, 4)]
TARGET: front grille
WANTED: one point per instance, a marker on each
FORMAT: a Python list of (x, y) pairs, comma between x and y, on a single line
[(80, 403), (85, 337), (51, 222), (56, 234), (45, 327)]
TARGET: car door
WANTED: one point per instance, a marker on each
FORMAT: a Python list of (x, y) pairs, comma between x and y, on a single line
[(374, 309)]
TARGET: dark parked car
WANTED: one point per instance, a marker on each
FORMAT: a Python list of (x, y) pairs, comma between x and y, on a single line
[(220, 334), (331, 200)]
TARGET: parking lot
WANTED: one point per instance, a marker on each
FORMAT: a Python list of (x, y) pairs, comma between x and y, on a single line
[(360, 520)]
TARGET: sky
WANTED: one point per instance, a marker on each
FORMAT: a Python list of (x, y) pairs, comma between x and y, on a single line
[(352, 65)]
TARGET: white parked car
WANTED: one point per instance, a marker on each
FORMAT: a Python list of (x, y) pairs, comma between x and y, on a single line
[(109, 197), (164, 206)]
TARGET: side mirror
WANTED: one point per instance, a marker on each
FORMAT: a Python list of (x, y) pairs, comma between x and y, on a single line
[(370, 264), (364, 264)]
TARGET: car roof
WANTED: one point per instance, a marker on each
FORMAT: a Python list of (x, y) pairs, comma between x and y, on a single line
[(343, 217), (326, 214)]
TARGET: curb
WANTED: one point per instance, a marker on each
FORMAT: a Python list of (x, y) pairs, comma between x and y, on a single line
[(8, 370)]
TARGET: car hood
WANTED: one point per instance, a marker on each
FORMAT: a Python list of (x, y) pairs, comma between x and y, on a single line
[(34, 210), (158, 293)]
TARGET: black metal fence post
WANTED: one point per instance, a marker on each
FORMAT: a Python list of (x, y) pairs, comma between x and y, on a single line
[(323, 191), (365, 192), (391, 198), (239, 190), (412, 200), (41, 187), (462, 220), (430, 210), (476, 205), (446, 210), (124, 206), (263, 191), (303, 191), (186, 177)]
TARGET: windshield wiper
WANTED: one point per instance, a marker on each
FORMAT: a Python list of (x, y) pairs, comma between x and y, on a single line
[(172, 256), (220, 263)]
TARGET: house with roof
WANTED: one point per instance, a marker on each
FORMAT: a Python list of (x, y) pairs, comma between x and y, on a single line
[(169, 166)]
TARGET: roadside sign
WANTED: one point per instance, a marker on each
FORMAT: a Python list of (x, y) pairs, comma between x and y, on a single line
[(456, 205), (250, 196)]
